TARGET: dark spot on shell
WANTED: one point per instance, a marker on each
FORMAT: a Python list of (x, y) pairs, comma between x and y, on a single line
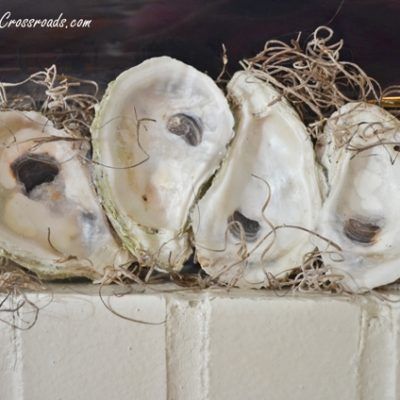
[(88, 216), (192, 267), (361, 231), (239, 223), (144, 197), (186, 127), (396, 147), (33, 170), (89, 153)]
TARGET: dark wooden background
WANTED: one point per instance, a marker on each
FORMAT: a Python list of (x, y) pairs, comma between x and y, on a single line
[(125, 32)]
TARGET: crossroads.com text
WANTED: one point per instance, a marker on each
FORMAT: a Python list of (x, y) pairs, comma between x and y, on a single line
[(7, 21)]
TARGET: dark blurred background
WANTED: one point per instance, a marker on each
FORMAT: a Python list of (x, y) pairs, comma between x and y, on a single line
[(125, 32)]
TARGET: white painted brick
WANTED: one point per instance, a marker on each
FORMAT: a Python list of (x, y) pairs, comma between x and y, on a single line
[(378, 372), (214, 345), (8, 354), (283, 348), (80, 350)]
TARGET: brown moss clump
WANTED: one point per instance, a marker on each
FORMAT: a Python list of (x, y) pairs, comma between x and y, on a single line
[(16, 309), (69, 103), (312, 76)]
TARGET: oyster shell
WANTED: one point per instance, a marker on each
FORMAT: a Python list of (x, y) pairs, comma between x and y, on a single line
[(160, 133), (50, 219), (360, 151), (268, 181)]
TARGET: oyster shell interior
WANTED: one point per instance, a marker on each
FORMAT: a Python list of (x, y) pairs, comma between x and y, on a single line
[(50, 218), (360, 153), (249, 221), (160, 133)]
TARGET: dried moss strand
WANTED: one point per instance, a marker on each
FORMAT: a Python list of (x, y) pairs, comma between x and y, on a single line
[(60, 103), (312, 76)]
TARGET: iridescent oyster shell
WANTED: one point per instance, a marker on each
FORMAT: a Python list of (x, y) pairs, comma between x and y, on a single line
[(360, 153), (50, 219), (254, 218), (159, 134)]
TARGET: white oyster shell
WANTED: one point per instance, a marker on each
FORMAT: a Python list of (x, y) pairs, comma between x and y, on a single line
[(268, 180), (160, 133), (361, 213), (50, 219)]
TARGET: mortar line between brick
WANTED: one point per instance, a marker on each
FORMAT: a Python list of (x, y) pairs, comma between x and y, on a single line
[(168, 346), (395, 319), (180, 379), (362, 332), (17, 359), (205, 347)]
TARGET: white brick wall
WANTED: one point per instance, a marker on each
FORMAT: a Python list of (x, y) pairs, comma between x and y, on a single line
[(212, 345)]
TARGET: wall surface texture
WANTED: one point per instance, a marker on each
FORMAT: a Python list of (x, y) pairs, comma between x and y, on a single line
[(215, 345)]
